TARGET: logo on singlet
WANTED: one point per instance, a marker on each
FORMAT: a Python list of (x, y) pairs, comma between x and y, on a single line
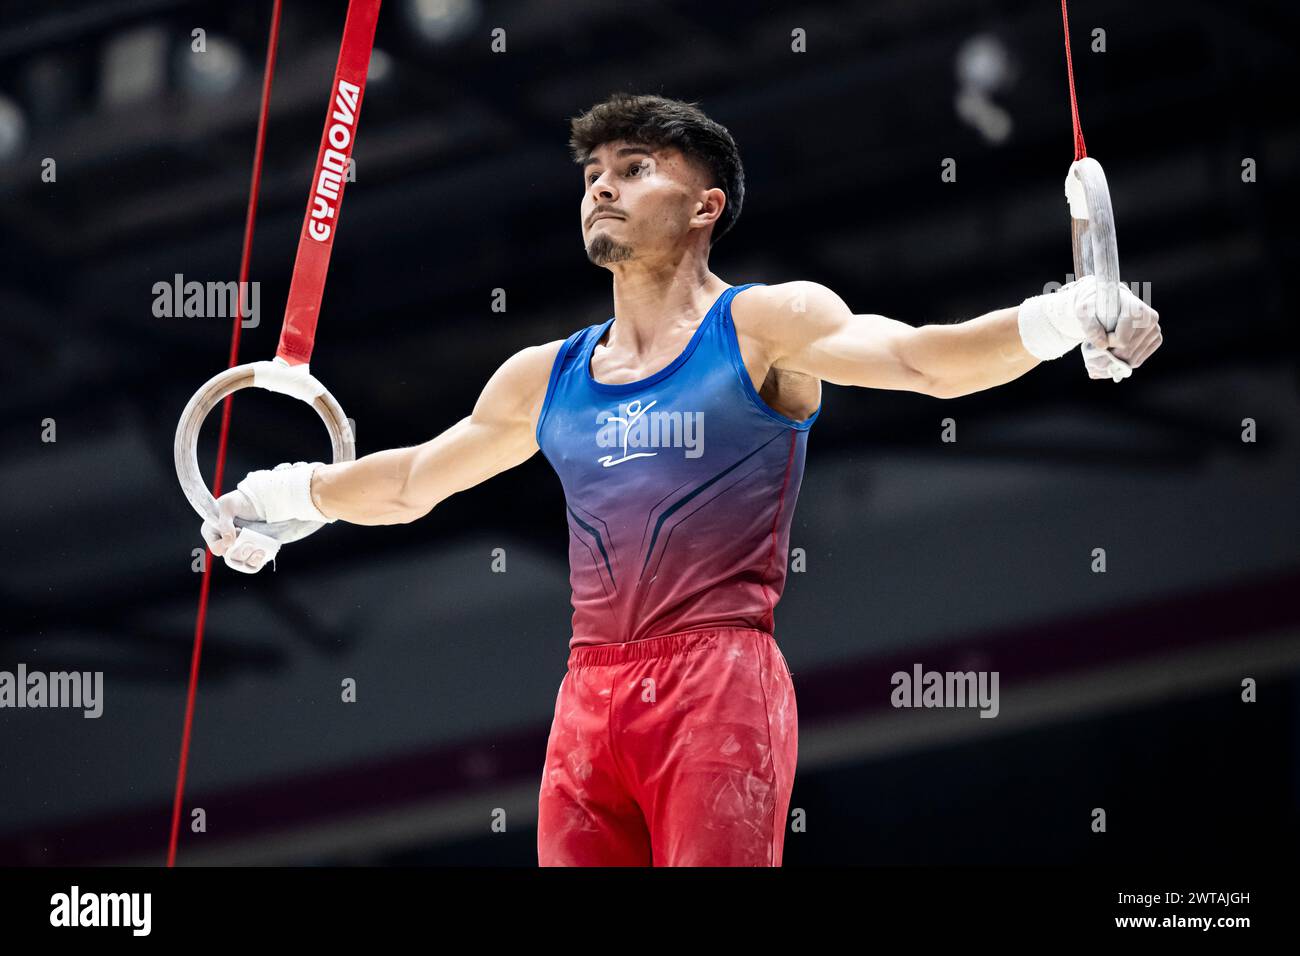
[(635, 426)]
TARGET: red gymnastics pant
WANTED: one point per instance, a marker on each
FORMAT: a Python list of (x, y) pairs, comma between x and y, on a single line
[(671, 751)]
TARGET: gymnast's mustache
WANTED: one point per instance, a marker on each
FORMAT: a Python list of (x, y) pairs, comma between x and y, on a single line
[(603, 211)]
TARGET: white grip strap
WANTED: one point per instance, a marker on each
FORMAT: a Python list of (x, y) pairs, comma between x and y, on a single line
[(1049, 325), (283, 493), (279, 376), (1075, 194)]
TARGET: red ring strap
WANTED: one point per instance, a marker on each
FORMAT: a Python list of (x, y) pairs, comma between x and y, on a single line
[(320, 225)]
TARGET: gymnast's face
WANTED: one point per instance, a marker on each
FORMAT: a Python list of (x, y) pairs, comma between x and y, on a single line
[(643, 203)]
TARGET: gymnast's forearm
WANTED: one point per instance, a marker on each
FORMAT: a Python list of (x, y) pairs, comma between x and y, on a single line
[(970, 356), (367, 491)]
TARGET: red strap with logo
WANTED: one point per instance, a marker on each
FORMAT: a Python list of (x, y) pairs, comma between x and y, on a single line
[(320, 224)]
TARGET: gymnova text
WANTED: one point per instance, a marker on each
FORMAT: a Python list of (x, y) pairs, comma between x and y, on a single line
[(76, 689), (102, 909), (946, 689)]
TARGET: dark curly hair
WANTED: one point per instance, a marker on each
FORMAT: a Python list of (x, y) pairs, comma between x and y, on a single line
[(656, 121)]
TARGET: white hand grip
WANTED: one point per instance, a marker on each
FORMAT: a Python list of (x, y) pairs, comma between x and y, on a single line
[(253, 541)]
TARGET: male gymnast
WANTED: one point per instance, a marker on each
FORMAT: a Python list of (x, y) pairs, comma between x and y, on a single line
[(678, 430)]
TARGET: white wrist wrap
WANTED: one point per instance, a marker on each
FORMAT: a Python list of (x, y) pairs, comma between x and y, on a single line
[(284, 494), (1050, 324)]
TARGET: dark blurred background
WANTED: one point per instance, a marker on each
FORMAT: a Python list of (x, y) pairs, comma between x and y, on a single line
[(1119, 690)]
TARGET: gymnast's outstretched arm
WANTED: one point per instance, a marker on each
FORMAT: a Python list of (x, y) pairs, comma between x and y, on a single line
[(805, 327), (400, 485)]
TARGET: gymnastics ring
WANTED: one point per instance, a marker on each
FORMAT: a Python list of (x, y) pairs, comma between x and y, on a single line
[(1096, 252), (275, 376)]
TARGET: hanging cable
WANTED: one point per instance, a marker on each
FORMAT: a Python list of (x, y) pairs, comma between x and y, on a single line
[(250, 218), (1080, 148), (289, 373)]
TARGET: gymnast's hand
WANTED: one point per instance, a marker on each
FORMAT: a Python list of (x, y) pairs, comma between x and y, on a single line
[(221, 536), (1136, 336), (282, 494)]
